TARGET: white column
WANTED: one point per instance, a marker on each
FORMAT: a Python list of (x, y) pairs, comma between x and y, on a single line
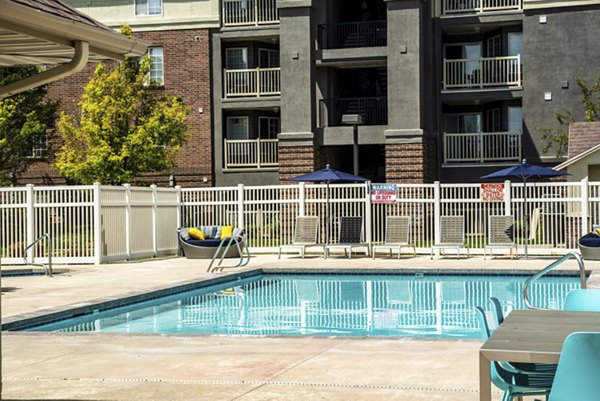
[(507, 198), (97, 224), (301, 198), (240, 206), (368, 213), (154, 220), (127, 220), (30, 221), (584, 207), (437, 210)]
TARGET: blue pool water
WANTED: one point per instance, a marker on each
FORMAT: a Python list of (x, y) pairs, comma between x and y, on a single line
[(434, 306)]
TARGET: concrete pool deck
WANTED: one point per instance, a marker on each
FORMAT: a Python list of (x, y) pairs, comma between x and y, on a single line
[(92, 366)]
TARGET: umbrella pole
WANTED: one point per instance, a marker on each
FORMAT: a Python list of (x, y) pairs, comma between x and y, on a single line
[(526, 212), (327, 214)]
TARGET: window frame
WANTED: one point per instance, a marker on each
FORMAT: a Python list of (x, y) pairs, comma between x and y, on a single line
[(247, 124), (153, 63), (147, 13)]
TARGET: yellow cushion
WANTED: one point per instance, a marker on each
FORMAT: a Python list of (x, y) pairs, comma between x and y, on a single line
[(195, 233), (226, 231), (597, 231)]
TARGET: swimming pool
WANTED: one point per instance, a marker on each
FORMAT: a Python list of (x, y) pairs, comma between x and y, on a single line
[(433, 306)]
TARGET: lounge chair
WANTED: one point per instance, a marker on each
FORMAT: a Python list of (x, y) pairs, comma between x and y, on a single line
[(397, 235), (452, 230), (578, 369), (305, 234), (501, 235), (350, 236)]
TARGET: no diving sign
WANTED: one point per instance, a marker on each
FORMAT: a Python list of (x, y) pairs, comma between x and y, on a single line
[(492, 192)]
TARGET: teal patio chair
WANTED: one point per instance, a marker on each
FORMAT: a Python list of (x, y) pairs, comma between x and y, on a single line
[(578, 369), (511, 381), (584, 300)]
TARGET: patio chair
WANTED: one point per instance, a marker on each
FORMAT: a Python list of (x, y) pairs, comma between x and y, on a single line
[(305, 234), (452, 230), (583, 300), (578, 369), (511, 381), (350, 236), (397, 235), (501, 234)]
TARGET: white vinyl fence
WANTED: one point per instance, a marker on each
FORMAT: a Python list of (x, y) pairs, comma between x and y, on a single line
[(96, 223)]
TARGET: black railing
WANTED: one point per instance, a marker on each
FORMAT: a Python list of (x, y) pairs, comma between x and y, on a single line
[(353, 34), (373, 110)]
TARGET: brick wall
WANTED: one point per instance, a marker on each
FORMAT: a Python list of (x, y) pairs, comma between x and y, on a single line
[(410, 163), (298, 160), (187, 74)]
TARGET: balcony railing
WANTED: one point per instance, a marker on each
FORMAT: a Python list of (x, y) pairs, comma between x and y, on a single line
[(482, 147), (479, 6), (373, 110), (483, 72), (249, 12), (251, 153), (252, 82), (353, 34)]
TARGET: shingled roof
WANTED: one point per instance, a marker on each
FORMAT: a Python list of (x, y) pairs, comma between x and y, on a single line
[(60, 9)]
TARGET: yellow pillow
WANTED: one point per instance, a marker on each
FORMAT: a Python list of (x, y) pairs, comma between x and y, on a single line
[(226, 231), (597, 230), (195, 233)]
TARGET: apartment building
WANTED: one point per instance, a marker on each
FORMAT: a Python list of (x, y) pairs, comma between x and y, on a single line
[(179, 34), (445, 90)]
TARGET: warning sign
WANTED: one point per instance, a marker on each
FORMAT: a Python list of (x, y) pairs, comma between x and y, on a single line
[(383, 193), (492, 192)]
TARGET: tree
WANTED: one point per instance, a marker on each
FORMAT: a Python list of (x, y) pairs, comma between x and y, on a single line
[(559, 137), (24, 120), (126, 127)]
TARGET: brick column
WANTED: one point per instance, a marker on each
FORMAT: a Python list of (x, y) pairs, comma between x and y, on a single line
[(410, 162), (301, 159)]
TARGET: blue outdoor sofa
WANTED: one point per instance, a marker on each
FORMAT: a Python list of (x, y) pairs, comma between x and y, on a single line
[(589, 246)]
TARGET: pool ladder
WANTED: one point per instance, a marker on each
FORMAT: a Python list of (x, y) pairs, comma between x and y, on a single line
[(47, 267), (239, 240), (552, 266)]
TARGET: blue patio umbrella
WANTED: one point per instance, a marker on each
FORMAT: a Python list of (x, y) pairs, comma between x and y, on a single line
[(524, 171), (328, 175)]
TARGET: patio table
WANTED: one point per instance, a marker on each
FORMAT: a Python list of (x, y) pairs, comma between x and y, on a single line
[(530, 336)]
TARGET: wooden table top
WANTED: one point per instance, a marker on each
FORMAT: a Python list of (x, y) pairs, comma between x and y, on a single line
[(536, 335)]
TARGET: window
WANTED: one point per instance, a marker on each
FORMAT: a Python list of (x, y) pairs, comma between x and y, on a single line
[(268, 58), (237, 128), (515, 119), (462, 123), (236, 58), (494, 46), (268, 127), (148, 7), (493, 122), (156, 73), (37, 147)]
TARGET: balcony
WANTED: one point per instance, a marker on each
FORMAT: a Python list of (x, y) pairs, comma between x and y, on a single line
[(251, 153), (353, 34), (249, 12), (482, 147), (483, 73), (373, 110), (255, 82), (454, 7)]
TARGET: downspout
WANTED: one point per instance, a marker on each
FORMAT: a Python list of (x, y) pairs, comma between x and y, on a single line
[(80, 59)]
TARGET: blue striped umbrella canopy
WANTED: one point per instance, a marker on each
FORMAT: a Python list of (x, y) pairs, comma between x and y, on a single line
[(524, 171)]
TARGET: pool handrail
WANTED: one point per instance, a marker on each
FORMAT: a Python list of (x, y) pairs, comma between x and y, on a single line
[(553, 265), (48, 267)]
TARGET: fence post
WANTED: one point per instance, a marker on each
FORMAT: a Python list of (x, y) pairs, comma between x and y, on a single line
[(437, 210), (301, 198), (368, 213), (154, 220), (240, 206), (127, 220), (507, 198), (584, 207), (179, 205), (30, 221), (97, 224)]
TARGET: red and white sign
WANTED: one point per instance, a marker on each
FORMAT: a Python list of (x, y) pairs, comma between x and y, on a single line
[(383, 193), (492, 192)]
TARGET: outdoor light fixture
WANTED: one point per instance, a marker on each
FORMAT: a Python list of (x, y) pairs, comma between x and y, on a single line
[(354, 120)]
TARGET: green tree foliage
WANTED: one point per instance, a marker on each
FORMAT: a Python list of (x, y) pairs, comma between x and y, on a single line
[(24, 120), (558, 138), (126, 127)]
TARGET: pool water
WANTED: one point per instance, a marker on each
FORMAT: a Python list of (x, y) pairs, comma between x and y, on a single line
[(433, 306)]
